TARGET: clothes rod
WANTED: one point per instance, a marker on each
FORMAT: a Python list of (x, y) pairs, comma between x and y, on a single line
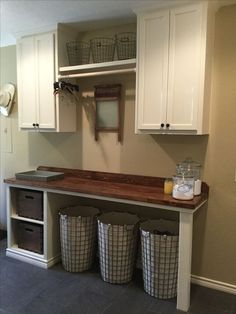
[(97, 73)]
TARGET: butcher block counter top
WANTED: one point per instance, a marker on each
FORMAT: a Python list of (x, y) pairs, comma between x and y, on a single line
[(113, 185)]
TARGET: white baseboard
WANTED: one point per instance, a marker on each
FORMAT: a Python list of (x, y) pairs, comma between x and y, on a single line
[(213, 284)]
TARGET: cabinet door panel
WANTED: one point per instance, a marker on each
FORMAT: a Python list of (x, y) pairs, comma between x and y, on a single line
[(45, 78), (184, 68), (152, 69), (26, 82)]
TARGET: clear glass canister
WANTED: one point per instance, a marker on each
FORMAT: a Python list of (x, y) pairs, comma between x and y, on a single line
[(183, 187), (190, 168)]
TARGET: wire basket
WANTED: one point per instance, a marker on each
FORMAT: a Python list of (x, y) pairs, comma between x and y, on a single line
[(160, 243), (78, 232), (78, 52), (126, 45), (117, 235), (103, 49)]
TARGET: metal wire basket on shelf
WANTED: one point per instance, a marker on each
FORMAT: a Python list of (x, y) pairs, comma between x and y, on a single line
[(126, 45), (78, 52), (103, 49)]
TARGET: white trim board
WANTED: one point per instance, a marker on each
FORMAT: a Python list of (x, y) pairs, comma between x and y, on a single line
[(213, 284)]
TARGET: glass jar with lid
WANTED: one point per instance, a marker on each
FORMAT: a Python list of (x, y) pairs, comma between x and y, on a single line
[(183, 187), (190, 168)]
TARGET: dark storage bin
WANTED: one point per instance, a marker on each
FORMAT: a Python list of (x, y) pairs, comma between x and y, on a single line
[(29, 204), (30, 237)]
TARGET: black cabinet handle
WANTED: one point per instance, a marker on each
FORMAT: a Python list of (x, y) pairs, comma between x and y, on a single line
[(29, 197), (162, 125), (28, 230), (167, 125)]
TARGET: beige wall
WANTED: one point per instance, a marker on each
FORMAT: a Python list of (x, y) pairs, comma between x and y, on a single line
[(214, 238), (215, 233), (27, 150)]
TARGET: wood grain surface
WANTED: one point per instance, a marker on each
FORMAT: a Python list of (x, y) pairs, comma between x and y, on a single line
[(114, 185)]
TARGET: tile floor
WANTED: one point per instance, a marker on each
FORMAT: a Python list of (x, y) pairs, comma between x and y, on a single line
[(27, 289)]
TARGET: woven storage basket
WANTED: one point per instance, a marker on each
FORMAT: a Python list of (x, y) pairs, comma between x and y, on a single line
[(78, 230), (103, 49), (78, 52), (160, 243), (126, 45), (117, 235)]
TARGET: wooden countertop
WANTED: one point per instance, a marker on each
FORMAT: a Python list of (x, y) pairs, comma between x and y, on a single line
[(120, 186)]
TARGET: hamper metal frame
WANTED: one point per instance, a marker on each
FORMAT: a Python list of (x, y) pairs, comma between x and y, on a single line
[(117, 247), (160, 264), (78, 240)]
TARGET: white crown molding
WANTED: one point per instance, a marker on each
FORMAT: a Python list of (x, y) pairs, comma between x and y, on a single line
[(35, 30), (164, 4)]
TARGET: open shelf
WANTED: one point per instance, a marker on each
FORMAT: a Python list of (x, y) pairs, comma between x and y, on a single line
[(94, 69), (15, 216)]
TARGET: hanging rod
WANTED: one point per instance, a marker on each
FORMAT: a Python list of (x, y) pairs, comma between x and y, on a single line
[(97, 73)]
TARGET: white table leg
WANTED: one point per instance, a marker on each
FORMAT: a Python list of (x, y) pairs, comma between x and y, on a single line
[(185, 257)]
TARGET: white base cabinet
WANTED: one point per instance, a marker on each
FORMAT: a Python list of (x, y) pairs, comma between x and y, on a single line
[(38, 58), (173, 70)]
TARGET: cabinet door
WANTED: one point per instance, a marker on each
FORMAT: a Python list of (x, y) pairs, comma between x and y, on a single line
[(45, 70), (153, 36), (184, 67), (26, 82)]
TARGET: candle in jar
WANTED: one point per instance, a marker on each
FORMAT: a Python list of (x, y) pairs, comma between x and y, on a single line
[(168, 186)]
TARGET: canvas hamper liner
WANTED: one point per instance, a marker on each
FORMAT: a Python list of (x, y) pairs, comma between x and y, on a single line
[(160, 243), (117, 236), (78, 230)]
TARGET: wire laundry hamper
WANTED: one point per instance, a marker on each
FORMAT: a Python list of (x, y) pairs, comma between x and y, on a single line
[(103, 49), (78, 231), (78, 52), (117, 235), (160, 243), (126, 45)]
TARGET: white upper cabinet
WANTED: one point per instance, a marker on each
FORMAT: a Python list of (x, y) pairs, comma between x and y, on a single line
[(153, 33), (173, 71), (39, 108)]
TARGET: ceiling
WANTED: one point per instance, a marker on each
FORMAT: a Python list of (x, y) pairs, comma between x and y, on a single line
[(18, 18)]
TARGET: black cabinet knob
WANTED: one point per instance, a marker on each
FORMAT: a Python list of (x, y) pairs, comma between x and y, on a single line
[(34, 124), (167, 125), (37, 124), (162, 125)]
